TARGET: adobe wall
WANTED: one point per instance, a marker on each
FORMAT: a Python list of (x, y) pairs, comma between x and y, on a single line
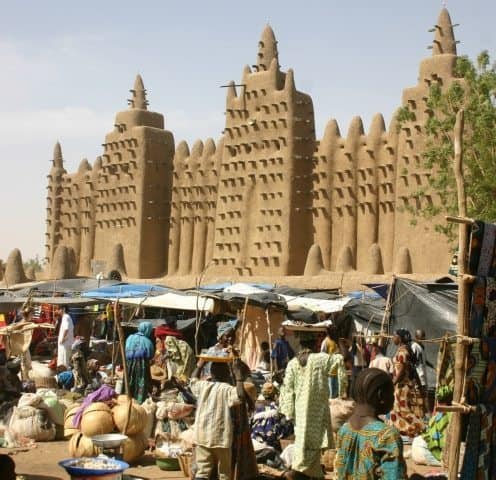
[(255, 202)]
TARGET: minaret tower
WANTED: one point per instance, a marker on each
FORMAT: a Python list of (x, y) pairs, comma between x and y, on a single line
[(54, 203), (134, 189), (427, 250), (264, 200)]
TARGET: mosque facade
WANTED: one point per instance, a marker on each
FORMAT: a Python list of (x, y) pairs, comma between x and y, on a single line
[(258, 200)]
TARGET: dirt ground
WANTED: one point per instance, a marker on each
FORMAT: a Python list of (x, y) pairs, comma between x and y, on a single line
[(41, 463)]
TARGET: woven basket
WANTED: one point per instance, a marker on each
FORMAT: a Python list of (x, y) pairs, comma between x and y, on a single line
[(327, 459), (45, 382), (185, 464)]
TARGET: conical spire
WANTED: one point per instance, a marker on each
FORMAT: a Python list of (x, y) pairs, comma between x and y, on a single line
[(182, 151), (267, 49), (139, 100), (289, 83), (444, 38), (331, 134), (58, 160)]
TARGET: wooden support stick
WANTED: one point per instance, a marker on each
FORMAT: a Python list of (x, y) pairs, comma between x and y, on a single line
[(468, 278), (463, 299), (465, 220), (387, 311), (120, 332), (267, 317), (456, 408), (242, 341)]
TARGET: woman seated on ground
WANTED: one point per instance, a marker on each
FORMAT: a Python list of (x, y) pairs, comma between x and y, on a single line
[(65, 378), (268, 425), (367, 448), (95, 377)]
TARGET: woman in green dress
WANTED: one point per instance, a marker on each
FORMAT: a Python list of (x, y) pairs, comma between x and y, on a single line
[(305, 399), (367, 448)]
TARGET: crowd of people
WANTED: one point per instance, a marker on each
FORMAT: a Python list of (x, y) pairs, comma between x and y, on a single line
[(239, 424)]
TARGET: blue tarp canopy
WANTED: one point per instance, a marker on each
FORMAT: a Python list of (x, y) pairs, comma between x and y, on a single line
[(125, 290), (220, 287)]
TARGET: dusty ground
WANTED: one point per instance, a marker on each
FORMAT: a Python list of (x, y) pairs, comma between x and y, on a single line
[(40, 463)]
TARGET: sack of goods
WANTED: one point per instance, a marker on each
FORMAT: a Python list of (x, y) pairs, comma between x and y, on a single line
[(70, 413), (56, 409), (134, 447), (43, 376), (150, 408), (97, 420), (81, 446), (33, 423), (137, 418), (341, 410)]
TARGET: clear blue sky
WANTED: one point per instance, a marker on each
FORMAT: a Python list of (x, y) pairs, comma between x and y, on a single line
[(66, 68)]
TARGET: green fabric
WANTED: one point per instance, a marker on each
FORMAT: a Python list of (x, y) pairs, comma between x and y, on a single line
[(182, 355), (337, 370), (139, 378), (305, 398), (435, 436)]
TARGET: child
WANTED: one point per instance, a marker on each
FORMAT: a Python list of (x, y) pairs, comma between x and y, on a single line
[(213, 424), (367, 448), (282, 352), (264, 359)]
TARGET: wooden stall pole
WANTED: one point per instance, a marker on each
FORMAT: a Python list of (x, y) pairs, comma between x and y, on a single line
[(387, 312), (120, 332), (242, 340), (198, 314), (267, 317), (462, 326)]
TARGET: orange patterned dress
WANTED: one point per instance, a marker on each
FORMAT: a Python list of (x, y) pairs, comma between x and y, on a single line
[(408, 410)]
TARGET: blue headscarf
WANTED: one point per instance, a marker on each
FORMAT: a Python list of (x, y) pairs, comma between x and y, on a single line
[(139, 345), (66, 379), (226, 327)]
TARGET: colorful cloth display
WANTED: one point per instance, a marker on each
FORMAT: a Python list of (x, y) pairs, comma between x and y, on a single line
[(480, 454), (181, 358), (435, 435)]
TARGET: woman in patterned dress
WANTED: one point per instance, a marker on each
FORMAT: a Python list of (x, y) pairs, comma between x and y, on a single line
[(305, 399), (366, 447), (408, 410)]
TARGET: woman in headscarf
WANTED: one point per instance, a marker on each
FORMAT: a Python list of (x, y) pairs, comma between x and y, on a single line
[(139, 352), (226, 336), (408, 410)]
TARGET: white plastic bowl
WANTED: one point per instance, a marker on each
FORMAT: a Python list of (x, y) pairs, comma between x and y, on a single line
[(109, 440)]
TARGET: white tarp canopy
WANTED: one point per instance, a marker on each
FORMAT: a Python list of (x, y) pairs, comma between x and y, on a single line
[(206, 303), (295, 303), (177, 301)]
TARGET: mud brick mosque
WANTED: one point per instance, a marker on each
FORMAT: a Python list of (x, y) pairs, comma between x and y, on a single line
[(267, 199)]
